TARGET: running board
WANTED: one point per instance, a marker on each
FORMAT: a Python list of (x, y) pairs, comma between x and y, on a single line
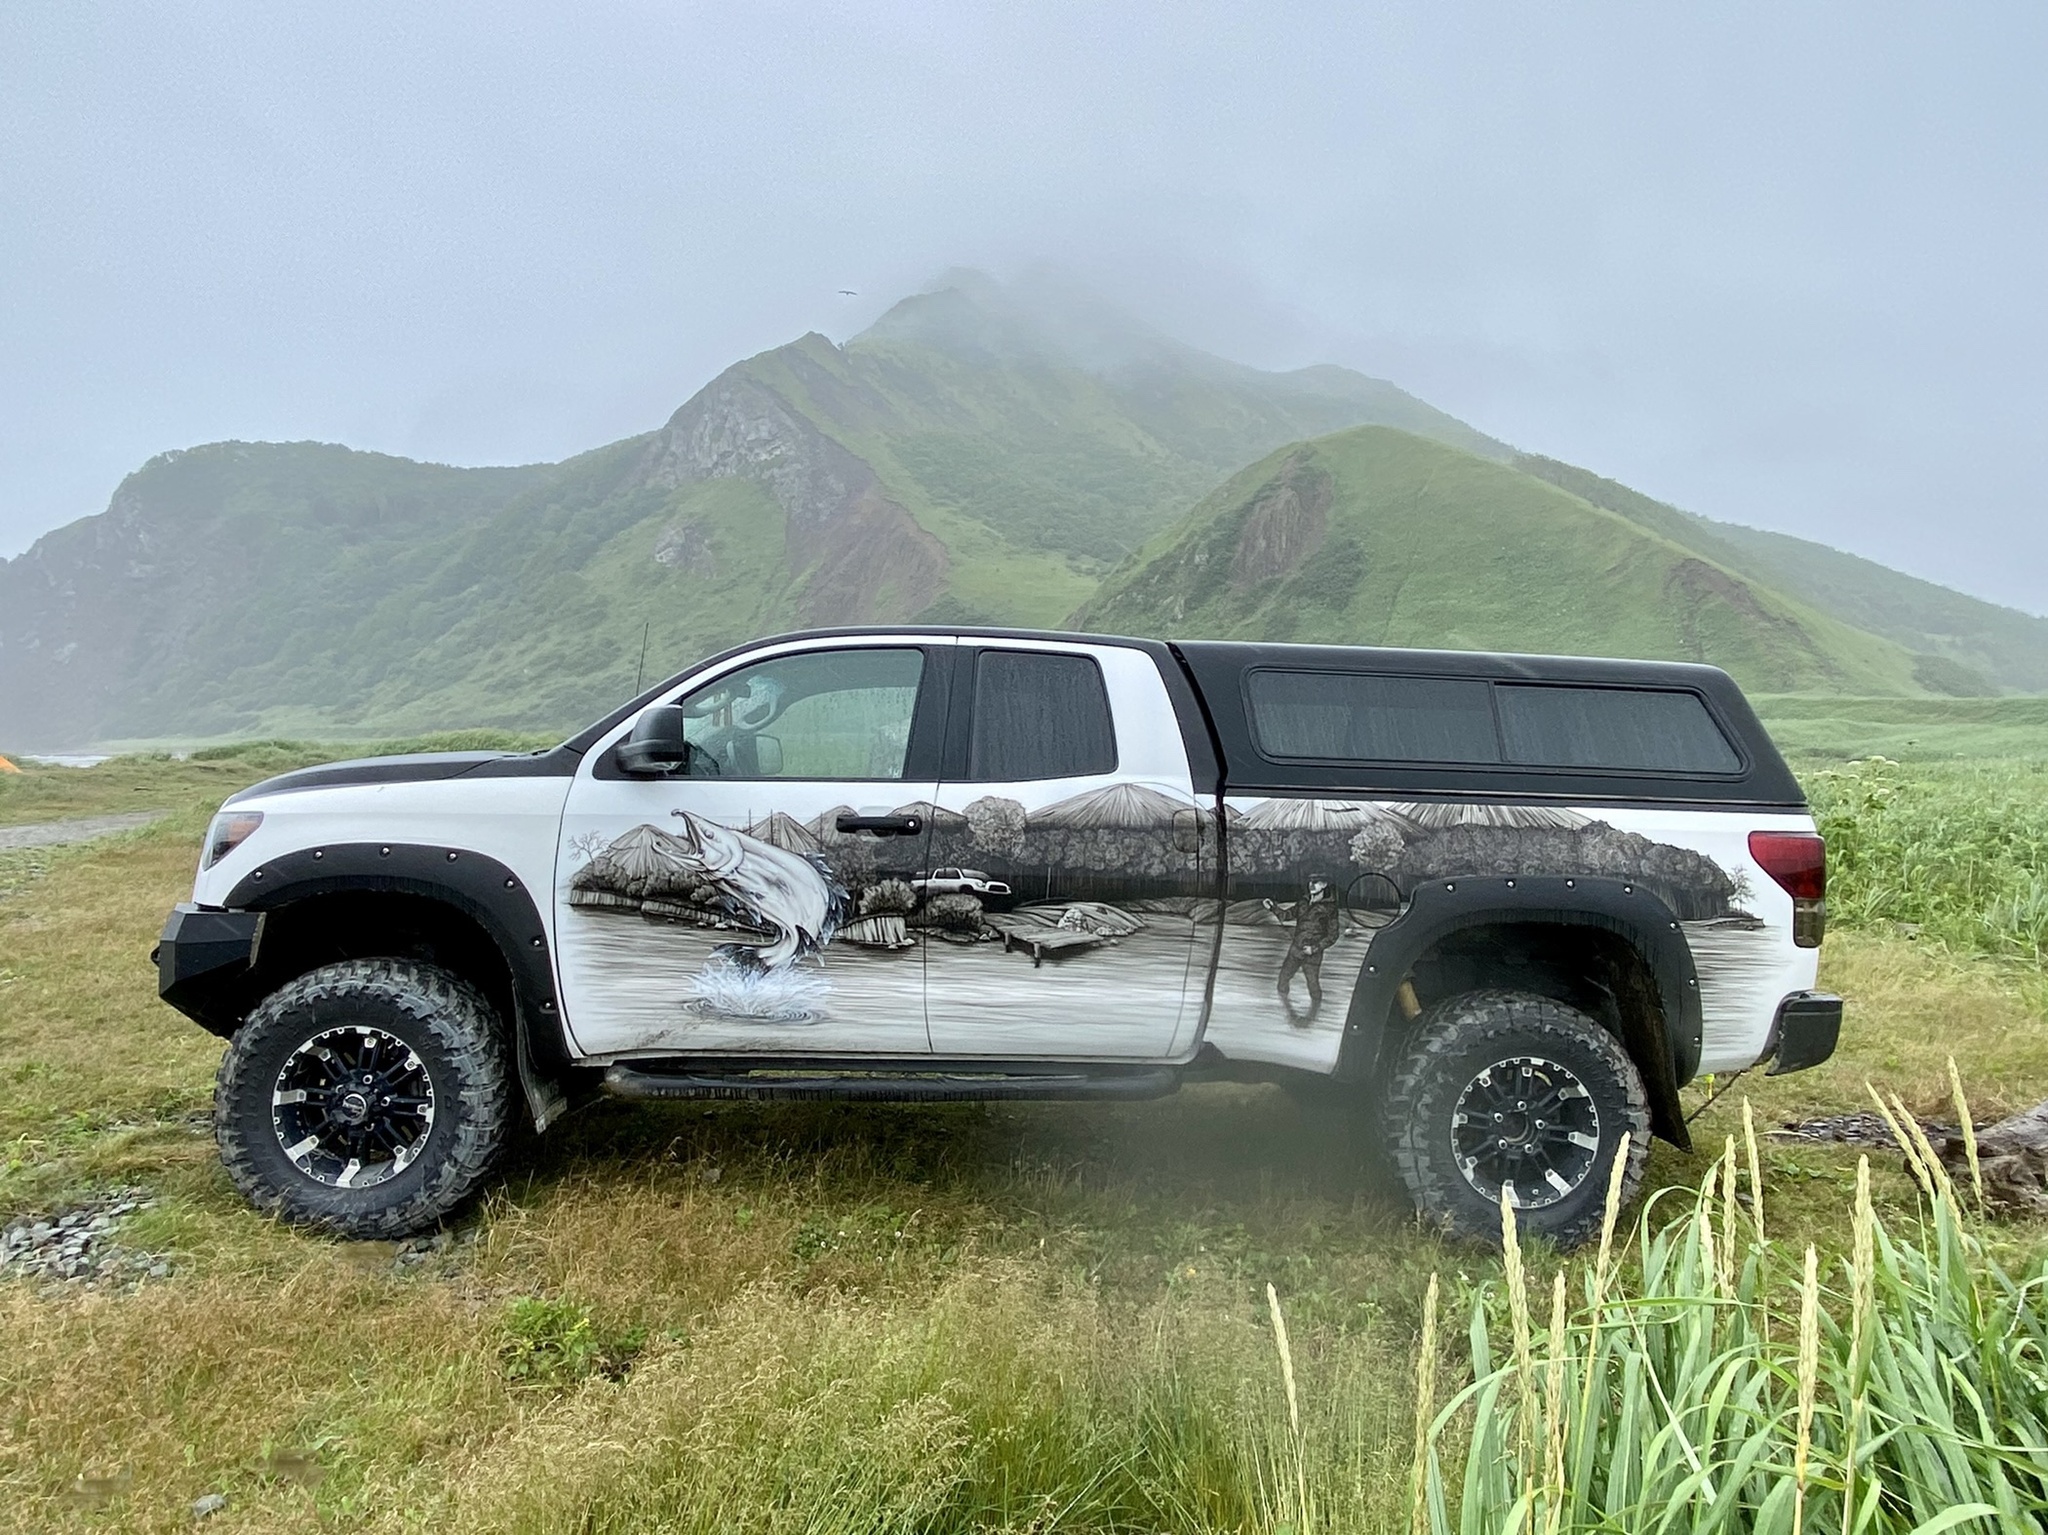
[(625, 1082)]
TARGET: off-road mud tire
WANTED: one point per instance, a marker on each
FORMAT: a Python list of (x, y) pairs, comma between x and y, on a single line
[(457, 1036), (1451, 1043)]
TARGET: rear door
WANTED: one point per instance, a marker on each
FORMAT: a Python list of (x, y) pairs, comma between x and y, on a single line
[(1066, 808), (758, 903)]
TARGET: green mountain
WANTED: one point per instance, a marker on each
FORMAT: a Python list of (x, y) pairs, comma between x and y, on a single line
[(981, 453), (1986, 642), (1014, 454), (1375, 536)]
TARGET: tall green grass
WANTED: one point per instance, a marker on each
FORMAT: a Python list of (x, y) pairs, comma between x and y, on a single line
[(1957, 851), (1725, 1381)]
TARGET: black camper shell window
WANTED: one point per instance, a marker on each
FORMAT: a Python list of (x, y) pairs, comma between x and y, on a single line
[(1374, 717)]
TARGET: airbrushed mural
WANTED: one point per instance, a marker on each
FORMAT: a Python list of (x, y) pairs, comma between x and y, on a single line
[(1008, 919), (1312, 880), (1043, 920)]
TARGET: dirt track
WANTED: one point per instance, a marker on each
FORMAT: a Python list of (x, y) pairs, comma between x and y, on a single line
[(79, 829)]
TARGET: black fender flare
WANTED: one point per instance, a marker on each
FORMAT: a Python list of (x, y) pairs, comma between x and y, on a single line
[(479, 887), (1438, 908)]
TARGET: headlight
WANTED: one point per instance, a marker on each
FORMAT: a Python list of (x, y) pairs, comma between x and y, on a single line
[(230, 829)]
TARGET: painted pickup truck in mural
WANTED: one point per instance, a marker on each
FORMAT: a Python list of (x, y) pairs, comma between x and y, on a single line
[(1504, 906)]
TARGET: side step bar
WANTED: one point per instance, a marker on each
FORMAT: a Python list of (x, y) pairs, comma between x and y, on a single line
[(624, 1082)]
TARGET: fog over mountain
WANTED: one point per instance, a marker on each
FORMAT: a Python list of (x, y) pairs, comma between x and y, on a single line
[(1774, 266)]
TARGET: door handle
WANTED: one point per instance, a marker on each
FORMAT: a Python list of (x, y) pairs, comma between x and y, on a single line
[(882, 825)]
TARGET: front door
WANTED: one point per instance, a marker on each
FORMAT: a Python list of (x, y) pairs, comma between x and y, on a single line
[(757, 900), (1072, 869)]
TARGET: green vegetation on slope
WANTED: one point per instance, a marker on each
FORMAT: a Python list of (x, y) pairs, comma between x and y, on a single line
[(1969, 646), (1374, 536), (217, 570), (983, 454)]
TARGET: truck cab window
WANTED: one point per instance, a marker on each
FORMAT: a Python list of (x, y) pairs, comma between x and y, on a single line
[(832, 714), (1039, 714)]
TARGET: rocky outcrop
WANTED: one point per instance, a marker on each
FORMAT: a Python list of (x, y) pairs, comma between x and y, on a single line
[(1286, 523), (685, 548), (861, 554)]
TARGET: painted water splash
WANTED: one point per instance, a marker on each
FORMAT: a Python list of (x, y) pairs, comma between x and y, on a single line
[(786, 995)]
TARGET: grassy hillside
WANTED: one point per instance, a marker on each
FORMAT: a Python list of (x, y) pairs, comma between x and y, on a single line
[(216, 569), (1970, 646), (982, 453), (1375, 536)]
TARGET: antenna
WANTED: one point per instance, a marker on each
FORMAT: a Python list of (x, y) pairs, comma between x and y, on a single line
[(640, 675)]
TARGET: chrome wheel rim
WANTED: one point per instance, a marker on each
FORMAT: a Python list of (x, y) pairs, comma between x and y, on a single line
[(352, 1107), (1526, 1128)]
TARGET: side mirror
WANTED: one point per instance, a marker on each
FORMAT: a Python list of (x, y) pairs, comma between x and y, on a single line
[(656, 745), (768, 756)]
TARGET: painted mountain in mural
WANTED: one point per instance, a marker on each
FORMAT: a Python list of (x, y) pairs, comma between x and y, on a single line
[(1123, 805)]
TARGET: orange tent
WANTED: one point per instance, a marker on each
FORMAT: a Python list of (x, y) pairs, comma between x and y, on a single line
[(8, 767)]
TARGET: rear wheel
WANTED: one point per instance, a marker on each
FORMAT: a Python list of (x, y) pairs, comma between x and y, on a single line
[(369, 1098), (1503, 1091)]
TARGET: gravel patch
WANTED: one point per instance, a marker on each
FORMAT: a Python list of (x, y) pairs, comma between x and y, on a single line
[(79, 829), (75, 1246), (1857, 1130)]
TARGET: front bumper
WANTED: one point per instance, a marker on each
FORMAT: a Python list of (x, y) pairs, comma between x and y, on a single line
[(204, 962), (1805, 1032)]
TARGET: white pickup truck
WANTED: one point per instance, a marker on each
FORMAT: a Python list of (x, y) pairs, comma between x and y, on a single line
[(1508, 904)]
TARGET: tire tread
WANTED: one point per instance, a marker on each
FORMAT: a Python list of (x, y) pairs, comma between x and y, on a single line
[(465, 1025), (1447, 1029)]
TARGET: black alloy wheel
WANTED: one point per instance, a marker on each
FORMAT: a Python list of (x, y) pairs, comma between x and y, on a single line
[(369, 1098), (1503, 1094), (352, 1107), (1526, 1127)]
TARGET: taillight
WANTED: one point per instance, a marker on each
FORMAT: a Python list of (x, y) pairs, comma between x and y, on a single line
[(230, 829), (1798, 861)]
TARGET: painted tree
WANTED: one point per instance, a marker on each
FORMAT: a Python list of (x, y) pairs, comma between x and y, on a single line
[(1375, 846), (997, 826)]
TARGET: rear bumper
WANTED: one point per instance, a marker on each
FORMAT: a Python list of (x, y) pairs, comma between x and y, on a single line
[(1805, 1032), (204, 961)]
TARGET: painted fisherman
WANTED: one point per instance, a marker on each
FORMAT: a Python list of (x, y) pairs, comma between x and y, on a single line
[(1315, 921)]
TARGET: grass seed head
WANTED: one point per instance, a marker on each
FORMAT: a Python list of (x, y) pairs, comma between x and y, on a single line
[(1809, 1376), (1969, 1131), (1425, 1410), (1756, 1175)]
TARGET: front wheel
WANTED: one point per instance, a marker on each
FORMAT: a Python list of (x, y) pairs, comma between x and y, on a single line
[(369, 1098), (1504, 1093)]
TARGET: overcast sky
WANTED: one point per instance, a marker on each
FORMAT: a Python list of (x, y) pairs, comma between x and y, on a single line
[(1780, 264)]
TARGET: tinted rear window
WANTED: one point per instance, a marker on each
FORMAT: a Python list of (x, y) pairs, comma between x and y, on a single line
[(1039, 714), (1623, 728), (1367, 717), (1361, 717)]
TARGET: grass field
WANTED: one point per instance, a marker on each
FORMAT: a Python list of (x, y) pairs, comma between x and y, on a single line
[(822, 1318), (1907, 729)]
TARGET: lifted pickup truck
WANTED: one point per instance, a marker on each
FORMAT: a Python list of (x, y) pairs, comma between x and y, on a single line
[(1508, 905)]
